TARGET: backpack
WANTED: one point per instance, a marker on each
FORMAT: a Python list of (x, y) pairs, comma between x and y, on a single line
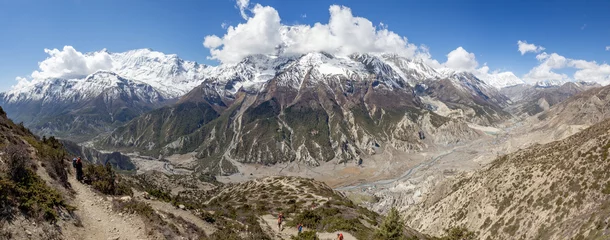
[(341, 236), (74, 162)]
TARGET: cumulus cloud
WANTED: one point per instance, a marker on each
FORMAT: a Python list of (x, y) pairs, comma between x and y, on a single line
[(21, 83), (544, 71), (259, 35), (69, 63), (589, 71), (242, 5), (607, 48), (461, 60), (525, 47), (344, 34)]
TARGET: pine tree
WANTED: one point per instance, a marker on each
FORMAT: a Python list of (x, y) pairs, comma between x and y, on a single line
[(391, 228)]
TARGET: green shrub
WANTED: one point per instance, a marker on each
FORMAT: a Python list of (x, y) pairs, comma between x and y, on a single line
[(391, 228), (307, 235), (133, 206), (160, 194), (308, 218), (105, 180), (26, 190), (52, 155), (459, 233)]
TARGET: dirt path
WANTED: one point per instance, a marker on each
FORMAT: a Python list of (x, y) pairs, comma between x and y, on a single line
[(270, 225), (98, 219)]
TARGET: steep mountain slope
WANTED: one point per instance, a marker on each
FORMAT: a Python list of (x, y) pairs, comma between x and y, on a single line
[(116, 159), (82, 107), (531, 100), (312, 108), (586, 108), (478, 102), (33, 184), (560, 190), (574, 114)]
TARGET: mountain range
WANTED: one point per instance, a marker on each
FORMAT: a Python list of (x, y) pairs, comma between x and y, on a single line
[(310, 108)]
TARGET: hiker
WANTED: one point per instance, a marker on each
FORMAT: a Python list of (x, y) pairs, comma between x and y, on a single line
[(300, 228), (280, 219), (79, 169), (339, 236)]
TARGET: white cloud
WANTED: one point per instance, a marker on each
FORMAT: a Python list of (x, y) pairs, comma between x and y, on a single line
[(525, 47), (223, 25), (304, 15), (544, 71), (259, 35), (589, 71), (242, 5), (69, 63), (461, 60), (212, 41), (22, 83), (607, 48), (344, 34)]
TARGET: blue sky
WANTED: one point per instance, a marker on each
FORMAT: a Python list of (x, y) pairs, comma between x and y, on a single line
[(489, 29)]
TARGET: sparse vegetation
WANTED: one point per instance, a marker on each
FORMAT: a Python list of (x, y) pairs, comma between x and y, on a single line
[(21, 187), (151, 218), (306, 235), (105, 180), (459, 233), (52, 155)]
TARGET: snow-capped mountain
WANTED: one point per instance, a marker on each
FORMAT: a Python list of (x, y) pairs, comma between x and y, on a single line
[(503, 79), (312, 108), (53, 91), (550, 83), (167, 74), (143, 80), (138, 81)]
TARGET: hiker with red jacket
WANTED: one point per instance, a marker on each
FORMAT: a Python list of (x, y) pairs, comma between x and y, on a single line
[(280, 219), (339, 236)]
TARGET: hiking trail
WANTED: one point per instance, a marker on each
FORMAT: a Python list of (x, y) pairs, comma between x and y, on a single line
[(98, 219)]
